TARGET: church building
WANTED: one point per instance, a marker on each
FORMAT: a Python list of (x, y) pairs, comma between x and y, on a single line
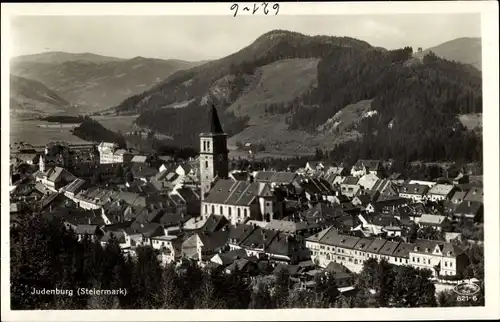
[(238, 201)]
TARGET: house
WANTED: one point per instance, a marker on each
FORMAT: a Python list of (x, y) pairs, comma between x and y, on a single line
[(280, 178), (368, 181), (435, 221), (316, 189), (190, 199), (74, 187), (239, 175), (226, 258), (111, 153), (384, 187), (53, 178), (413, 191), (26, 158), (338, 171), (202, 246), (440, 257), (361, 200), (350, 187), (471, 210), (313, 166), (422, 183), (363, 167), (139, 159), (475, 194), (247, 266), (440, 192), (239, 201), (458, 197), (386, 205), (82, 231)]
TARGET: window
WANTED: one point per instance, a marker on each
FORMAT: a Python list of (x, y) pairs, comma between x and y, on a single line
[(206, 164), (413, 259), (206, 208), (213, 209), (445, 264), (418, 259), (451, 264), (239, 212), (208, 145), (204, 145), (229, 209), (245, 212), (221, 211)]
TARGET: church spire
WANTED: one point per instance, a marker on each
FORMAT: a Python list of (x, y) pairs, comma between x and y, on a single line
[(215, 126)]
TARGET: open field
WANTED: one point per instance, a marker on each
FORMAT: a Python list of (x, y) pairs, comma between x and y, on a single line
[(30, 131), (279, 82)]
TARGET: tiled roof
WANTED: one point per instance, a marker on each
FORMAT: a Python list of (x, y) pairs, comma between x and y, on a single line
[(431, 219), (350, 181), (370, 165), (139, 159), (228, 192), (475, 194), (414, 189), (469, 207), (440, 189), (389, 248)]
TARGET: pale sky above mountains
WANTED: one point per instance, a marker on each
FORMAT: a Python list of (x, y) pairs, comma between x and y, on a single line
[(197, 38)]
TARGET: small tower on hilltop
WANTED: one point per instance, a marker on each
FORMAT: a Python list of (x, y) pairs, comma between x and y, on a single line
[(213, 154)]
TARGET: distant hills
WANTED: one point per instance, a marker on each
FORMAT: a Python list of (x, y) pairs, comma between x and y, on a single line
[(463, 50), (287, 91), (94, 81), (30, 98)]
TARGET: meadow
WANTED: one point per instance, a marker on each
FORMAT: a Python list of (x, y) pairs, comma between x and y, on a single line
[(29, 131)]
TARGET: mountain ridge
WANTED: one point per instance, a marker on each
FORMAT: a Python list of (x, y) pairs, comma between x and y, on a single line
[(466, 50), (95, 81), (356, 72), (30, 98)]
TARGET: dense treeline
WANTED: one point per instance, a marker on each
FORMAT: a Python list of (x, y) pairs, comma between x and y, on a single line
[(93, 131), (185, 124), (44, 255), (63, 118), (417, 107)]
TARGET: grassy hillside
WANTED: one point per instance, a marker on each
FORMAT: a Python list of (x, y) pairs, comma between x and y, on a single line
[(94, 81), (291, 92), (29, 98), (462, 50)]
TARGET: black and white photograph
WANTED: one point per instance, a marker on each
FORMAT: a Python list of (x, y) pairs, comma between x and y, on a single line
[(250, 158)]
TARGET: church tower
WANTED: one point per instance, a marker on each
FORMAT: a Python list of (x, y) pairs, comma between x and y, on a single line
[(213, 154), (41, 164)]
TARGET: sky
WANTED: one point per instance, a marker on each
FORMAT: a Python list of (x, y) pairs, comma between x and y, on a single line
[(196, 38)]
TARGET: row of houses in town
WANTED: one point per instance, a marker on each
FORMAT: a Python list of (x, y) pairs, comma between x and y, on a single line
[(442, 258)]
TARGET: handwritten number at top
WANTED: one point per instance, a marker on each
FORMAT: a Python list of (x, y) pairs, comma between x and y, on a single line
[(255, 8)]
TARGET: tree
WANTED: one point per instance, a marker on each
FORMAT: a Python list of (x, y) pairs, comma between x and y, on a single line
[(261, 297), (281, 289), (119, 173), (129, 177)]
